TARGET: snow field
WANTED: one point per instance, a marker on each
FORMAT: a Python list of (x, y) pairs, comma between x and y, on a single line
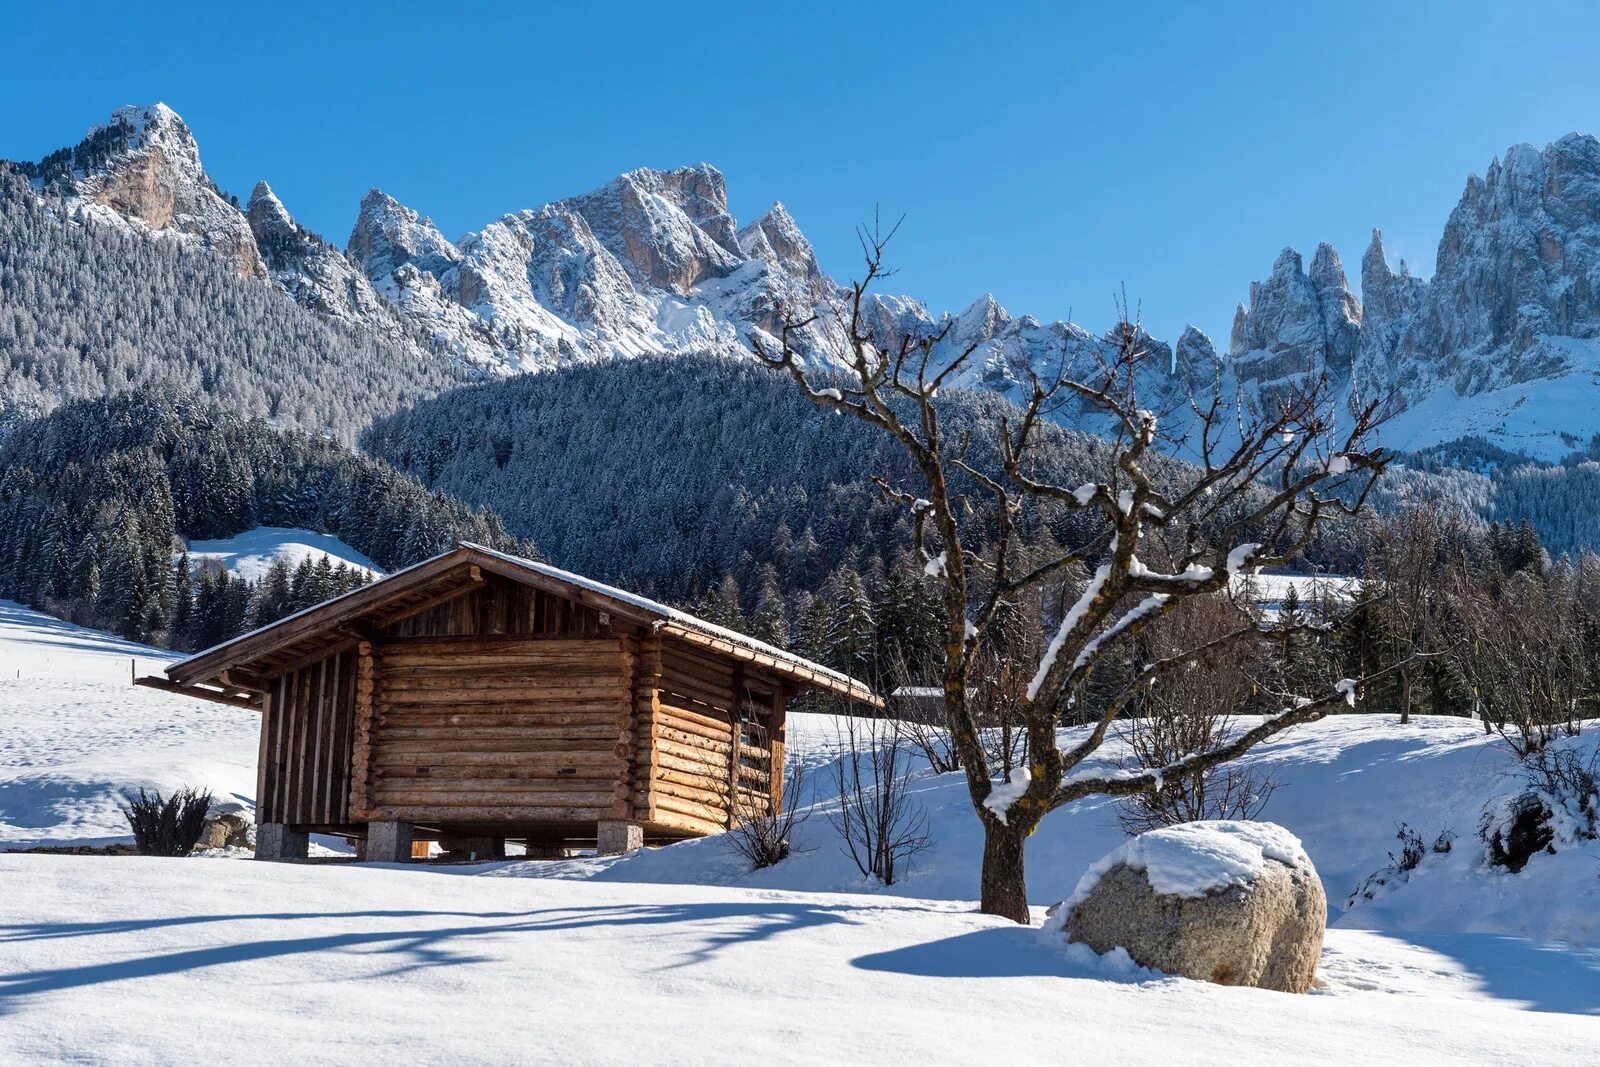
[(132, 959)]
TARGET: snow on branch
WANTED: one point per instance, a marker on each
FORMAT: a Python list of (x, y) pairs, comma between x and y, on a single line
[(1007, 793), (1069, 622)]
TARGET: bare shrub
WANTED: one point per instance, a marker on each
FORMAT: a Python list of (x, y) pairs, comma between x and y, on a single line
[(763, 834), (1190, 712), (881, 827), (1398, 872), (1520, 649), (167, 826)]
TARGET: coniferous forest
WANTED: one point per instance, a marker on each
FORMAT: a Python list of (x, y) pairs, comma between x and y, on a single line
[(98, 497)]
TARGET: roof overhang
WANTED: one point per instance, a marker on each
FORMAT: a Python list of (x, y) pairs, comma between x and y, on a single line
[(228, 672)]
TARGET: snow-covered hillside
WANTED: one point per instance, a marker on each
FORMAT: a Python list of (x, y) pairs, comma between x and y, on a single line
[(250, 554), (127, 959), (76, 735), (1343, 786)]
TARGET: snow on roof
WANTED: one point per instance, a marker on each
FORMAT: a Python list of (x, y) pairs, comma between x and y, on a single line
[(663, 613), (668, 614)]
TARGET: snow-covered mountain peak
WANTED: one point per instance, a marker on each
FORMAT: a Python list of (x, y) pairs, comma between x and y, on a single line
[(316, 273), (776, 238), (142, 167), (266, 212), (671, 229), (388, 235), (1287, 264), (151, 126)]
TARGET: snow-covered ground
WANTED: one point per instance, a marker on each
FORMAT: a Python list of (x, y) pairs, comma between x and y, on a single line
[(75, 734), (588, 960), (250, 554), (138, 960)]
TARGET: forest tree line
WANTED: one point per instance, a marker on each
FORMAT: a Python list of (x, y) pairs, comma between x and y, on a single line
[(98, 498)]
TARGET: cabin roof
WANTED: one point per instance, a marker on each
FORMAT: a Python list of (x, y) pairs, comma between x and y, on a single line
[(414, 588)]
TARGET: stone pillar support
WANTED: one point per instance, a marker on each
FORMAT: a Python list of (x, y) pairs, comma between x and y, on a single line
[(617, 838), (280, 841), (389, 842)]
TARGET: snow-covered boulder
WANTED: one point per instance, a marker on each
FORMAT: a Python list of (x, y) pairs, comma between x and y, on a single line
[(227, 826), (1236, 903)]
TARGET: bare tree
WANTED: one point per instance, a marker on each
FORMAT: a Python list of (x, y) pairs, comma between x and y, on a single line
[(1407, 566), (881, 827), (1520, 649), (762, 829), (1262, 482)]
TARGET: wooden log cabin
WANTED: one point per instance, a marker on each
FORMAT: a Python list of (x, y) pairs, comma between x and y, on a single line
[(480, 697)]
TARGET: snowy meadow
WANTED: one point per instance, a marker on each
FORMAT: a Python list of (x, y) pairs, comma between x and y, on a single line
[(127, 959)]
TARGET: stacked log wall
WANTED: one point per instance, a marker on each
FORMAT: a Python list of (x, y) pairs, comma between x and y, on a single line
[(500, 729), (699, 782)]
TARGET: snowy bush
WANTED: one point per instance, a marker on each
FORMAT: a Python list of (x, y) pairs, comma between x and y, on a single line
[(1398, 871), (1559, 809), (763, 836), (167, 826)]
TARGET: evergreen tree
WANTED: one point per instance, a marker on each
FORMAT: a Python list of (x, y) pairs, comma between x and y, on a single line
[(851, 635), (769, 621)]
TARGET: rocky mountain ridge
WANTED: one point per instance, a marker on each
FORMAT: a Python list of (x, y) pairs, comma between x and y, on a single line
[(1502, 342)]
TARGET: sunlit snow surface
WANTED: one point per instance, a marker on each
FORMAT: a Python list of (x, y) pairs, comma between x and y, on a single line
[(250, 554), (1545, 419), (75, 734), (128, 959)]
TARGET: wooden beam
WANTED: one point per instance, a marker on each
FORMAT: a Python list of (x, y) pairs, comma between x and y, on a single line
[(218, 696), (241, 679), (444, 597), (792, 670)]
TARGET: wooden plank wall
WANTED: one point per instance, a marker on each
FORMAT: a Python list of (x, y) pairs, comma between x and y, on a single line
[(500, 729), (500, 607), (693, 770), (306, 736)]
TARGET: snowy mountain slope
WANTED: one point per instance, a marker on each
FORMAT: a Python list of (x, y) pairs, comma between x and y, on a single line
[(315, 273), (1343, 787), (1496, 344), (76, 735), (249, 555)]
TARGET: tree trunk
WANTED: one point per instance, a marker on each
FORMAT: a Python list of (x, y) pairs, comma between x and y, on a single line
[(1004, 891), (1405, 697)]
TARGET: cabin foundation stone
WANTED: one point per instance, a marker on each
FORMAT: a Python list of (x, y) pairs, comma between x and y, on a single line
[(615, 838), (280, 841), (389, 842)]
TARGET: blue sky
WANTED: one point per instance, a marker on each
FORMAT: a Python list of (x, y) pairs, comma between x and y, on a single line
[(1049, 154)]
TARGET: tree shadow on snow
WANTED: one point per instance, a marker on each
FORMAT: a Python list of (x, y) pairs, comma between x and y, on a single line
[(415, 949), (1001, 952), (1543, 976)]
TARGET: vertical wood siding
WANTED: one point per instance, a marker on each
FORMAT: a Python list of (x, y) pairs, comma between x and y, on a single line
[(306, 735)]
